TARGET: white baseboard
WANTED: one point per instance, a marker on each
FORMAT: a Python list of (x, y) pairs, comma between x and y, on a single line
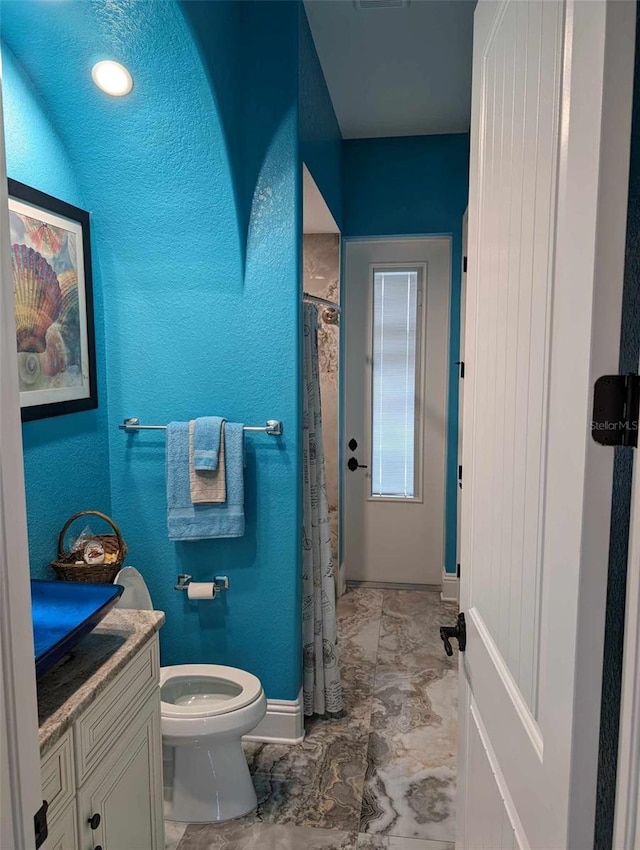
[(394, 585), (282, 724), (449, 591)]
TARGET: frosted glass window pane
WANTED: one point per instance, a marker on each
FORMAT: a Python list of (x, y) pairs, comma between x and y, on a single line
[(393, 438)]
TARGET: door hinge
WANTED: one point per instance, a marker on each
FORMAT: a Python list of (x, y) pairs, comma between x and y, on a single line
[(464, 265), (40, 825), (460, 475), (460, 363), (458, 570), (616, 400)]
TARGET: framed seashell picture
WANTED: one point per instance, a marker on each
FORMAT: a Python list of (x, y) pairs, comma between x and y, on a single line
[(53, 297)]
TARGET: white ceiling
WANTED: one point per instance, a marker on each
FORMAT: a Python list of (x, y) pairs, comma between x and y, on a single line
[(396, 71), (316, 216)]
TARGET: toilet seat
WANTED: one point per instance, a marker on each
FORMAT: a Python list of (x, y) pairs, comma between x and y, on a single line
[(206, 690)]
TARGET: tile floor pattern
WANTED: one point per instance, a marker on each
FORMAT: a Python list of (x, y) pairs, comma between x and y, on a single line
[(382, 777)]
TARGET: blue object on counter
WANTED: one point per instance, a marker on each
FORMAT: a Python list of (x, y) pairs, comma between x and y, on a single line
[(63, 612)]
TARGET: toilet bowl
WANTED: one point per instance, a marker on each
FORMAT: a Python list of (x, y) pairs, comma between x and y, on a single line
[(205, 711)]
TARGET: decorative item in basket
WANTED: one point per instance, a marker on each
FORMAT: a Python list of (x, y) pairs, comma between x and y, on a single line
[(91, 557)]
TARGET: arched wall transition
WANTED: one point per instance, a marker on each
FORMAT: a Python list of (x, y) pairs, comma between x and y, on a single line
[(193, 183)]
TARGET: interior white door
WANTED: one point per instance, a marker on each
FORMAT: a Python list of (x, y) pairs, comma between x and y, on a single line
[(396, 330), (551, 108)]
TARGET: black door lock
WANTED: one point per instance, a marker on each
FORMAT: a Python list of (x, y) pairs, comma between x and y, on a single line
[(459, 632), (353, 464)]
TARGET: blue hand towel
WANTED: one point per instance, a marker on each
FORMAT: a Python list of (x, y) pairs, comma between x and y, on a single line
[(187, 521), (206, 442)]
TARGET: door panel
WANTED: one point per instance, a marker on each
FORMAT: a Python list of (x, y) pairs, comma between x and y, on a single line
[(512, 356), (551, 108), (392, 539), (126, 790), (490, 813)]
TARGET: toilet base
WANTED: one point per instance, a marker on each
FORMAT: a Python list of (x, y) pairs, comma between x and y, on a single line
[(211, 784)]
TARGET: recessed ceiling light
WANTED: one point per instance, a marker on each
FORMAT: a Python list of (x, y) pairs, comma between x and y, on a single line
[(112, 77)]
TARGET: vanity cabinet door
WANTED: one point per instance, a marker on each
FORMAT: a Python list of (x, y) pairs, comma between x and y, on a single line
[(125, 791), (63, 831)]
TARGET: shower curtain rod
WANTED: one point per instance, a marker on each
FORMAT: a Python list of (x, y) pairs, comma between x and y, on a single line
[(323, 301)]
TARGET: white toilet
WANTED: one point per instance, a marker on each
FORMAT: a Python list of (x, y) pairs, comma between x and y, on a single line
[(206, 709)]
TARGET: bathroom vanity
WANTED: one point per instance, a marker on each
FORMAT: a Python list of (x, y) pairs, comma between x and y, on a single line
[(100, 739)]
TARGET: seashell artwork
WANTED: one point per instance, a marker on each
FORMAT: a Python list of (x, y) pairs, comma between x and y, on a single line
[(55, 358), (53, 303), (38, 297), (68, 280), (69, 316), (45, 238), (29, 369)]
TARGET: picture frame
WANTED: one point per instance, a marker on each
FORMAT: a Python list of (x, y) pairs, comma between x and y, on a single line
[(53, 297)]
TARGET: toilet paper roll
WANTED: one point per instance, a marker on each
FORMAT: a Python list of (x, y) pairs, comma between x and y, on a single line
[(201, 590)]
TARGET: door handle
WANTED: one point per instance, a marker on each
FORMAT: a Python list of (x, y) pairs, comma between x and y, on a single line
[(459, 632), (353, 464)]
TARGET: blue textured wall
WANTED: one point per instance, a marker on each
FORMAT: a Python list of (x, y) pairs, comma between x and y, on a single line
[(199, 255), (415, 185), (67, 457), (320, 137)]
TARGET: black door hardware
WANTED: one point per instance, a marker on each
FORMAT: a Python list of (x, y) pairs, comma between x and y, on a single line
[(353, 444), (616, 400), (94, 821), (460, 363), (40, 824), (459, 632), (353, 464)]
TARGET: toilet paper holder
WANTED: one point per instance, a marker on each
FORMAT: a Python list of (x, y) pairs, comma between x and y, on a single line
[(184, 580)]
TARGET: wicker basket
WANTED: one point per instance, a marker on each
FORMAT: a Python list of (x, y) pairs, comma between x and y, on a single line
[(66, 567)]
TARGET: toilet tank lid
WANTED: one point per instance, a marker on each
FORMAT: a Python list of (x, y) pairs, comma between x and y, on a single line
[(136, 593)]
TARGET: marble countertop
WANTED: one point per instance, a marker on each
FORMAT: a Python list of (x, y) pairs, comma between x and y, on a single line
[(73, 684)]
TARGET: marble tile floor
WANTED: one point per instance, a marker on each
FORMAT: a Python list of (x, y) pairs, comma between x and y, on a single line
[(382, 777)]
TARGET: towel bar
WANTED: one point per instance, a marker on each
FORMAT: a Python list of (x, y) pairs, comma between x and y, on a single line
[(273, 427)]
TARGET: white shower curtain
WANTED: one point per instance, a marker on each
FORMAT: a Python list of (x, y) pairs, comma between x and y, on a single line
[(321, 685)]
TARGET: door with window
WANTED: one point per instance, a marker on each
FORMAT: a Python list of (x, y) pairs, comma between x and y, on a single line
[(396, 325)]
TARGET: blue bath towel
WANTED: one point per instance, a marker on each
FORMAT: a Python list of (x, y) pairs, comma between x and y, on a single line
[(187, 521), (206, 442)]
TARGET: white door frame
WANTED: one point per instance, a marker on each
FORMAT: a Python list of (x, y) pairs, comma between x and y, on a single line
[(21, 794), (627, 824), (450, 584)]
